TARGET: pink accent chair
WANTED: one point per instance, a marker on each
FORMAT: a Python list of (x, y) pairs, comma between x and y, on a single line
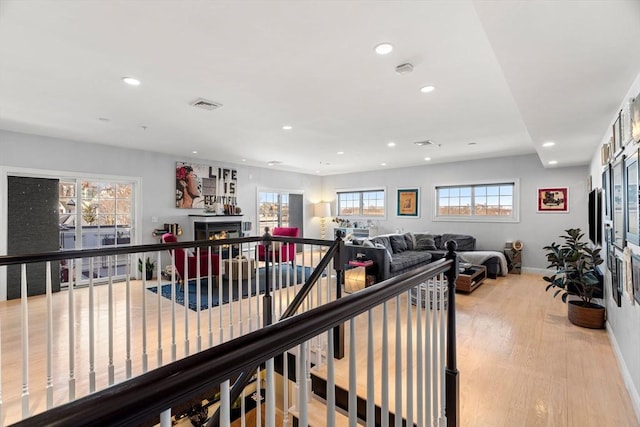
[(282, 252), (192, 261)]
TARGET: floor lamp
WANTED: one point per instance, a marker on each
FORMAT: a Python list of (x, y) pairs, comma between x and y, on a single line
[(322, 210)]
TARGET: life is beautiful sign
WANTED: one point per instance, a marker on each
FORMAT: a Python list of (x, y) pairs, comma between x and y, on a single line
[(199, 186)]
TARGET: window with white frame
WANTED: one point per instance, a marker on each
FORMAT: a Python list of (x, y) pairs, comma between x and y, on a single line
[(477, 202), (362, 203)]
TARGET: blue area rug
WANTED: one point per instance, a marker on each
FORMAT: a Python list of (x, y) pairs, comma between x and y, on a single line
[(287, 280)]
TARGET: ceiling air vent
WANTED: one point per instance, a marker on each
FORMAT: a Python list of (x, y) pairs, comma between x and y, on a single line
[(426, 142), (206, 104), (404, 68)]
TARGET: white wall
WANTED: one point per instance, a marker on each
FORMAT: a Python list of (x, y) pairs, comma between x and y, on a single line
[(157, 177), (534, 229), (623, 323)]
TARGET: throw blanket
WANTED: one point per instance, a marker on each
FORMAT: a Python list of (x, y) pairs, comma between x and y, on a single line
[(478, 257)]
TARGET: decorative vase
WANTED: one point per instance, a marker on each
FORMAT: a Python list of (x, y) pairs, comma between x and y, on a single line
[(587, 316), (149, 274)]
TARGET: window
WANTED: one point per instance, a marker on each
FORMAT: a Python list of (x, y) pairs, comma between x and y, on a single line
[(477, 202), (273, 209), (361, 203)]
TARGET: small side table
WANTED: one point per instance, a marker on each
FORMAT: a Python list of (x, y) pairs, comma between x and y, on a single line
[(355, 278)]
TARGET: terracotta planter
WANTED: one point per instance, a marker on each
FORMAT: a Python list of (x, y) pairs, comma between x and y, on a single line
[(590, 316)]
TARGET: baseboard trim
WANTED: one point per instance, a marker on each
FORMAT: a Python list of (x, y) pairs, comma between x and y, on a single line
[(626, 376), (542, 271)]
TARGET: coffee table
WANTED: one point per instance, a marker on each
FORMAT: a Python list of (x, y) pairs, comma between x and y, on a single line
[(470, 278)]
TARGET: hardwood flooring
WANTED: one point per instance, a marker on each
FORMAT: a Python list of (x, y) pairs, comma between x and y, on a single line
[(521, 362)]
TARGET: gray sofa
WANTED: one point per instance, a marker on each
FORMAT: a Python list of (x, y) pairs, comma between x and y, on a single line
[(394, 254)]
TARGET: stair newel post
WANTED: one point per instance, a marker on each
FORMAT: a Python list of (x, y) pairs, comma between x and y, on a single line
[(267, 315), (338, 265), (452, 408)]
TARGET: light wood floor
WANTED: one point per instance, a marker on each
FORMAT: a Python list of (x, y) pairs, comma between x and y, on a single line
[(521, 362)]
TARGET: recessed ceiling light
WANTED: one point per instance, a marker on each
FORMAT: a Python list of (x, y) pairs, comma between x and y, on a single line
[(548, 144), (383, 48), (427, 158), (287, 127), (553, 162), (194, 152), (244, 160), (383, 164), (427, 89), (131, 81), (340, 153), (391, 144), (274, 163)]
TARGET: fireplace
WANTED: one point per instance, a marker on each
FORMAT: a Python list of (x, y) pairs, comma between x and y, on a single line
[(217, 230)]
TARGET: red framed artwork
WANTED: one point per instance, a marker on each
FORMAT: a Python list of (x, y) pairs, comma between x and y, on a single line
[(553, 199)]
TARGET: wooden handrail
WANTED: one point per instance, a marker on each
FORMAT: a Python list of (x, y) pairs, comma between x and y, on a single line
[(145, 396)]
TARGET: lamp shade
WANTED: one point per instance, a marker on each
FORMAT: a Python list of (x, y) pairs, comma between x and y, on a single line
[(322, 209)]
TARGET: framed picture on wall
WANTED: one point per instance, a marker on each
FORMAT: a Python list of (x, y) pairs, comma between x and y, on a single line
[(606, 192), (408, 202), (635, 268), (616, 282), (632, 222), (617, 134), (554, 199), (617, 200), (634, 115)]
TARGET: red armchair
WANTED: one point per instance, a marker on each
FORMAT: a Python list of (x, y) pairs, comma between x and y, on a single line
[(192, 261), (280, 251)]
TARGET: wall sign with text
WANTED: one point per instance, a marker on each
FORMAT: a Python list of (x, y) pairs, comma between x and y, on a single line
[(199, 186)]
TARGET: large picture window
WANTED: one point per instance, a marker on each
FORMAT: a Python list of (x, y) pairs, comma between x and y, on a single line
[(362, 203), (477, 202)]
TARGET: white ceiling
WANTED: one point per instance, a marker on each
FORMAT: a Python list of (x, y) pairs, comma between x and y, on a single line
[(509, 75)]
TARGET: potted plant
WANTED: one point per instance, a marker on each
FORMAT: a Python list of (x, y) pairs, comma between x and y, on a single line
[(148, 267), (575, 263)]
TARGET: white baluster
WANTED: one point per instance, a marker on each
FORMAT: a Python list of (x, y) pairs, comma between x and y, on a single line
[(353, 398), (198, 303), (185, 293), (384, 369), (441, 372), (92, 337), (285, 388), (331, 383), (165, 416), (210, 294), (398, 373), (220, 305), (423, 287), (72, 328), (159, 308), (110, 366), (409, 352), (49, 327), (371, 418), (225, 404), (303, 420), (270, 403), (25, 341), (173, 306), (128, 369)]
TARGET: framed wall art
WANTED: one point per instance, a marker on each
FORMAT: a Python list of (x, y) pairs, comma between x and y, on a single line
[(408, 202), (635, 268), (617, 200), (606, 192), (554, 199), (200, 186), (634, 115), (632, 221), (617, 134), (616, 282)]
